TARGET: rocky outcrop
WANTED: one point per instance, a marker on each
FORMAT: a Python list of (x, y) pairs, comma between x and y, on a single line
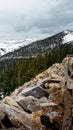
[(44, 103)]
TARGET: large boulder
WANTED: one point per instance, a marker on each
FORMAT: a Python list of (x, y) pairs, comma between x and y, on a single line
[(44, 103)]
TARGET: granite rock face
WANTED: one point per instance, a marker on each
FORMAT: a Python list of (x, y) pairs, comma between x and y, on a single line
[(44, 103)]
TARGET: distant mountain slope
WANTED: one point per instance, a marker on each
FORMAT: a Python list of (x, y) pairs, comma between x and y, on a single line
[(7, 46), (42, 46)]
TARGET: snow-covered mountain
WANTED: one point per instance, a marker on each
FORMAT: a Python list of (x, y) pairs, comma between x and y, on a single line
[(7, 46), (32, 47), (14, 51)]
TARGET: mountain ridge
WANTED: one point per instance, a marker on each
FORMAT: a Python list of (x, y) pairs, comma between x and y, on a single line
[(42, 46)]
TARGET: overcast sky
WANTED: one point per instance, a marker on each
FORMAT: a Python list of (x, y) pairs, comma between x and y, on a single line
[(22, 19)]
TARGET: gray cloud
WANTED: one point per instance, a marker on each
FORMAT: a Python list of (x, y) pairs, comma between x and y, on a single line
[(20, 19)]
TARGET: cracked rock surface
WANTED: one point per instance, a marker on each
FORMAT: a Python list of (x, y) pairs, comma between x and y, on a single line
[(44, 103)]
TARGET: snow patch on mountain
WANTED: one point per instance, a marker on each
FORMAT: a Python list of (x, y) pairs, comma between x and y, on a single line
[(68, 37)]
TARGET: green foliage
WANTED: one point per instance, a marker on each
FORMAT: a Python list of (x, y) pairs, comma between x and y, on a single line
[(24, 71)]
